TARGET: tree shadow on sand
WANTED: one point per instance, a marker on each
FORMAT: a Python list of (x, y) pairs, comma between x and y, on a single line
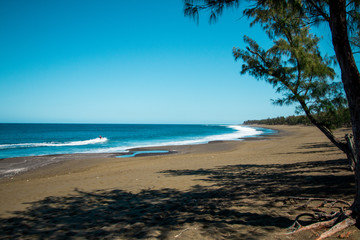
[(242, 202), (312, 148)]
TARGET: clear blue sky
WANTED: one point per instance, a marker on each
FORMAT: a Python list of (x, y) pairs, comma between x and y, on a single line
[(117, 61)]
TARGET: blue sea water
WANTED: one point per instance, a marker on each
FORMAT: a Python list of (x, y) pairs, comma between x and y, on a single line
[(18, 140)]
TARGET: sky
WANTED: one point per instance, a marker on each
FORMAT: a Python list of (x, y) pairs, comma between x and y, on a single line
[(117, 61)]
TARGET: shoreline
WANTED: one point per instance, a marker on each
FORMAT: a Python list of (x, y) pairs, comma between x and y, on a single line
[(232, 190), (121, 144), (35, 162)]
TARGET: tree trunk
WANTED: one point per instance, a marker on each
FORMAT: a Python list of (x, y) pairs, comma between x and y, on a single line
[(342, 146), (352, 155), (351, 79)]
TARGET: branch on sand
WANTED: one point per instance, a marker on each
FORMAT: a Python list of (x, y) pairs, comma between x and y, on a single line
[(336, 221)]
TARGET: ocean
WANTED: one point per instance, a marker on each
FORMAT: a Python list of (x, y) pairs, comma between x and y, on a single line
[(25, 140), (20, 140)]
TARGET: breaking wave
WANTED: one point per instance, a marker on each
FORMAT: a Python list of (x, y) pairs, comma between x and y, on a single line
[(54, 144)]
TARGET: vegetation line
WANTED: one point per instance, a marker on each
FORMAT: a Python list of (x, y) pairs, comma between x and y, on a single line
[(342, 120)]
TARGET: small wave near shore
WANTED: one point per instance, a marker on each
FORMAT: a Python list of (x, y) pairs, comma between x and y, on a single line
[(54, 144)]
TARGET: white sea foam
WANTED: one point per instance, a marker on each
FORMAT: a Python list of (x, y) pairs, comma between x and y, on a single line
[(241, 132), (12, 171), (54, 144)]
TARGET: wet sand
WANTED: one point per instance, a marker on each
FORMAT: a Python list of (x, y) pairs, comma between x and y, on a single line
[(220, 190)]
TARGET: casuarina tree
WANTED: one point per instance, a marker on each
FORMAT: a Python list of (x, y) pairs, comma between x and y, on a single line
[(295, 67), (343, 19)]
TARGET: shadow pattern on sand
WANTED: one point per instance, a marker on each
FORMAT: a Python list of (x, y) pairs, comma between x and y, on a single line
[(242, 202), (312, 148)]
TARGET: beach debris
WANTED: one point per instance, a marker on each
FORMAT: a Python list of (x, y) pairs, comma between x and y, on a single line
[(323, 201), (184, 230), (336, 221)]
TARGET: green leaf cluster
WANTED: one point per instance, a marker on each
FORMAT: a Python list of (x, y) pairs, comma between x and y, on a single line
[(341, 118), (294, 65), (214, 7)]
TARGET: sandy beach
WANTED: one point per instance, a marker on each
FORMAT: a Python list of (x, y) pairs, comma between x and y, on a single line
[(220, 190)]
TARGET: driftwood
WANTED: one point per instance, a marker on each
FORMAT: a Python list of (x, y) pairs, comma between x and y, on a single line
[(336, 221), (323, 201)]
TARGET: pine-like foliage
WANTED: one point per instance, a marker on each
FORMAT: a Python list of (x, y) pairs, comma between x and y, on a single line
[(214, 7), (294, 65)]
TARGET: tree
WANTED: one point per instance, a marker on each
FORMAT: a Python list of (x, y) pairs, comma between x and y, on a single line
[(295, 67), (343, 18)]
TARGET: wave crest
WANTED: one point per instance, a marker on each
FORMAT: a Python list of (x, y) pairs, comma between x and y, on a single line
[(54, 144)]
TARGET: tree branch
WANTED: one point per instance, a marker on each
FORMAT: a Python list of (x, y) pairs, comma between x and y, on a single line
[(319, 10)]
